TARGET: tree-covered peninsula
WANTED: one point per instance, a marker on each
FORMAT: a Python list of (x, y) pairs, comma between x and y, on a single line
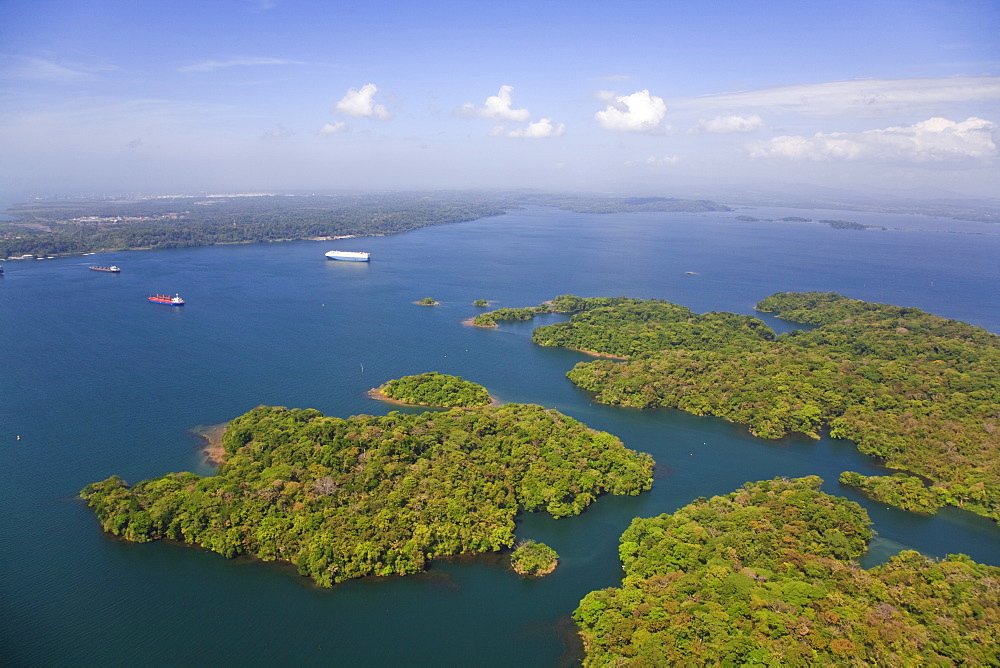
[(80, 226), (763, 576), (899, 489), (919, 391), (561, 304), (436, 389), (375, 495), (54, 227)]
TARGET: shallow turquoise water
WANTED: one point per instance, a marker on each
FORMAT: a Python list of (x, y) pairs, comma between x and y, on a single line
[(98, 381)]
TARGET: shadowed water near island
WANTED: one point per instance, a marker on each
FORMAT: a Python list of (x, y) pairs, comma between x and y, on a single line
[(100, 381)]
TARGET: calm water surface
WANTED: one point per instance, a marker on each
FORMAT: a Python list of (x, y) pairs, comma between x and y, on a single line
[(98, 381)]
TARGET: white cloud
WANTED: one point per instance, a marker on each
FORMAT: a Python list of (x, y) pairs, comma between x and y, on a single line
[(665, 160), (934, 140), (210, 65), (728, 124), (497, 107), (333, 128), (638, 112), (40, 69), (362, 103), (539, 129), (868, 97)]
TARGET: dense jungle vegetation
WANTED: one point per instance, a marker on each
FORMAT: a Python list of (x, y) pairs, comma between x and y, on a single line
[(52, 228), (763, 576), (532, 558), (899, 489), (371, 495), (561, 304), (631, 327), (491, 318), (919, 391), (436, 389)]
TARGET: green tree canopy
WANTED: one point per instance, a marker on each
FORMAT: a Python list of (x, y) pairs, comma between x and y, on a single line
[(920, 391), (371, 495), (436, 389), (533, 558), (763, 576)]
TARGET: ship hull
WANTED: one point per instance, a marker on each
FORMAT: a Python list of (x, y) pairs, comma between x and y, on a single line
[(169, 301), (347, 256)]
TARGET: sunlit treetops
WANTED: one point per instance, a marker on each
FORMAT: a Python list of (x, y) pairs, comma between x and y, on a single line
[(436, 389), (920, 391), (375, 495), (763, 576)]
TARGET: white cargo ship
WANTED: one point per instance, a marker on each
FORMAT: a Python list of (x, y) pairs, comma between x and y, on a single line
[(350, 256)]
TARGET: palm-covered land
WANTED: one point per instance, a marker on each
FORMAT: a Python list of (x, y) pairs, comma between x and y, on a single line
[(370, 495), (763, 576), (920, 391)]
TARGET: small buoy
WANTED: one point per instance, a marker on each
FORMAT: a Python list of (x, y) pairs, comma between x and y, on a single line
[(19, 437)]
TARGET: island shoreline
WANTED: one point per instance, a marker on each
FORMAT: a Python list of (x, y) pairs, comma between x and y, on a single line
[(210, 437)]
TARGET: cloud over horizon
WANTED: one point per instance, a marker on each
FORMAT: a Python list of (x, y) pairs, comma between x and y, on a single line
[(863, 97), (540, 129), (934, 140), (332, 128), (498, 107), (729, 124), (210, 65), (638, 112), (31, 68), (361, 103)]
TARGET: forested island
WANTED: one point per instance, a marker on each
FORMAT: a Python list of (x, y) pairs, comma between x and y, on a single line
[(835, 224), (532, 558), (919, 391), (763, 576), (435, 389), (375, 495)]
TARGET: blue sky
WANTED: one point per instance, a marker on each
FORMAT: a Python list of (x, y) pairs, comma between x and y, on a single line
[(631, 96)]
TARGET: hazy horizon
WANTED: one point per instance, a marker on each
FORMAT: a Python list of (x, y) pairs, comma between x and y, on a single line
[(240, 96)]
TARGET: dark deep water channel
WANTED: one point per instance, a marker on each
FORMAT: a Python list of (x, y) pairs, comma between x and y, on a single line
[(96, 380)]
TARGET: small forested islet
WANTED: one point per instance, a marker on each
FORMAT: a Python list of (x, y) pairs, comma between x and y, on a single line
[(533, 558), (436, 389), (375, 495)]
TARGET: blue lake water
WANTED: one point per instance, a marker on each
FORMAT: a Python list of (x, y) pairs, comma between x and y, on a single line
[(97, 380)]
